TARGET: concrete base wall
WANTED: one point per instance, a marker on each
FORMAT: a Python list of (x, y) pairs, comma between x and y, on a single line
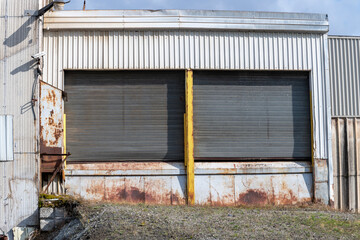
[(218, 183)]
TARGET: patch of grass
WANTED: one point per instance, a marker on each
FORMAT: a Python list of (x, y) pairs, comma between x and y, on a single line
[(141, 221), (321, 223), (49, 200)]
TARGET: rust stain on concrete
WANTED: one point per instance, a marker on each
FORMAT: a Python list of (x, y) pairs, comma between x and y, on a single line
[(253, 197)]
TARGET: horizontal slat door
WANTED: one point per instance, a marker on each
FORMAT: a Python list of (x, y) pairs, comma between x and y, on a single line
[(125, 116), (251, 115)]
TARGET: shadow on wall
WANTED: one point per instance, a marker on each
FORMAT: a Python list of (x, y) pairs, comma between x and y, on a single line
[(25, 67), (13, 40), (21, 34), (29, 222)]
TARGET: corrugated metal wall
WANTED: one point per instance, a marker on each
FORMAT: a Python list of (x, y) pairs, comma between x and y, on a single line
[(19, 178), (182, 49), (344, 60), (346, 150)]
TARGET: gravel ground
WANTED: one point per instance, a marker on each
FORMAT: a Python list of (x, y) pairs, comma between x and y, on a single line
[(118, 221)]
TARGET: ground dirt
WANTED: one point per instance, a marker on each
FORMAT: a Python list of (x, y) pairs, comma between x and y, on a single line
[(120, 221)]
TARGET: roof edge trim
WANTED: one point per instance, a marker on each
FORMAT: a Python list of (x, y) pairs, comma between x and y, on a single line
[(186, 19)]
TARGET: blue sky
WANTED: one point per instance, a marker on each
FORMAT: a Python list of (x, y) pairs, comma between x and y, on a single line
[(344, 15)]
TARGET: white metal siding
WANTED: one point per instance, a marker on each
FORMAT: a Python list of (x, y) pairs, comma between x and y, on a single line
[(19, 178), (182, 49), (344, 59)]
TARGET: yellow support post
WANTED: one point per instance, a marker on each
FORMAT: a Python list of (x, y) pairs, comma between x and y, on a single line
[(64, 144), (185, 140), (312, 131), (189, 137)]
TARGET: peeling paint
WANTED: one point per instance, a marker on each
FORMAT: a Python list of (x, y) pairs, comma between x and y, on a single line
[(156, 184), (51, 129)]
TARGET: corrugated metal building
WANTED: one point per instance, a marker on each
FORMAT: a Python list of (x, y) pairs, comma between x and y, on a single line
[(205, 107), (176, 107), (344, 55), (19, 158)]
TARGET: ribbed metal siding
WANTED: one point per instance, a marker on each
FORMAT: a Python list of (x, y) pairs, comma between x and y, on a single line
[(126, 115), (251, 115), (344, 59), (197, 50), (346, 161), (19, 178)]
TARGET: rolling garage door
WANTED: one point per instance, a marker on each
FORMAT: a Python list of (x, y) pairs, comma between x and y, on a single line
[(127, 115), (251, 115)]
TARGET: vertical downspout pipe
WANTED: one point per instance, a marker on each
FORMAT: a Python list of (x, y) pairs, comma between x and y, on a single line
[(328, 121)]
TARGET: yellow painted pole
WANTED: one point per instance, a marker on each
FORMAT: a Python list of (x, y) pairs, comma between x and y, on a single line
[(185, 140), (189, 131), (64, 144), (312, 130)]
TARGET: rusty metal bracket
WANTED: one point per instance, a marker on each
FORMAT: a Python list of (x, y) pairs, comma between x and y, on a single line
[(64, 96), (57, 169)]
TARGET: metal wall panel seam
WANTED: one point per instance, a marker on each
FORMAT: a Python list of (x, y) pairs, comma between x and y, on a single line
[(328, 116)]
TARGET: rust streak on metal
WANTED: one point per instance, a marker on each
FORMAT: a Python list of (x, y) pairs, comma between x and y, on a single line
[(132, 195), (51, 97), (253, 197), (51, 128), (259, 197), (50, 157), (129, 191)]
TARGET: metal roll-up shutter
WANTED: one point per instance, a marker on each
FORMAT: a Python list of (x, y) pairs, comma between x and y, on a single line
[(251, 115), (125, 115)]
